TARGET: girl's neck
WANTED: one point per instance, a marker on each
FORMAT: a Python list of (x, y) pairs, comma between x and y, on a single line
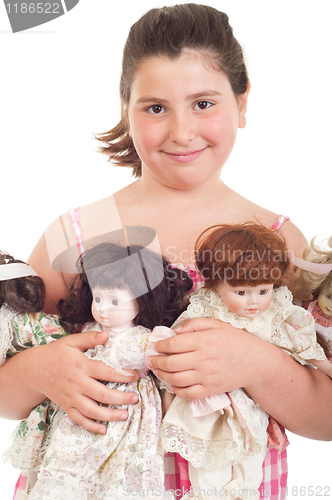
[(152, 190)]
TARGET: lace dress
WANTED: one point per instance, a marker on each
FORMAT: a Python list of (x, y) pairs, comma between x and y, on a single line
[(75, 463), (218, 441)]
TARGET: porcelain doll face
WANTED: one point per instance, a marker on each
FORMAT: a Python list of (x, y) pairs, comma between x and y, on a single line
[(113, 308), (246, 301), (325, 298)]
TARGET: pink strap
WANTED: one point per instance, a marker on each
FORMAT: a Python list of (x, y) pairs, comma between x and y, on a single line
[(74, 215), (279, 222)]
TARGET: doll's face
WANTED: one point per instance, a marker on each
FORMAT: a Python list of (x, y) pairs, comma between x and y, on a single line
[(246, 301), (113, 308), (325, 298)]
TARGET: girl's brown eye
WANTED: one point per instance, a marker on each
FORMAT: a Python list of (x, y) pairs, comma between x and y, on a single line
[(203, 104), (156, 109)]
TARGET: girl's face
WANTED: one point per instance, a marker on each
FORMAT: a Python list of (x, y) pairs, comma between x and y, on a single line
[(183, 119), (113, 308), (246, 301)]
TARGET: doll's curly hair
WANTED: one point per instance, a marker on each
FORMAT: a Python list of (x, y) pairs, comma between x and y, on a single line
[(306, 283), (161, 305), (25, 294)]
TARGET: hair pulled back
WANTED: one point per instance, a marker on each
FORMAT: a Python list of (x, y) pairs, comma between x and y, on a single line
[(167, 31), (25, 294), (161, 305)]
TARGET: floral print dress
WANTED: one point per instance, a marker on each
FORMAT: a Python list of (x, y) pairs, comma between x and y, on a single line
[(75, 463)]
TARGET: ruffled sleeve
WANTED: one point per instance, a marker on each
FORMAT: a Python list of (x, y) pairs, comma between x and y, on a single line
[(293, 329), (20, 331)]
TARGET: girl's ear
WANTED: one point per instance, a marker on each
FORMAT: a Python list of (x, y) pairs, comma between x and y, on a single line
[(243, 103)]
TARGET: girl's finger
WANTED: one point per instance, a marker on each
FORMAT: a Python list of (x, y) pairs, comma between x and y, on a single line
[(198, 325), (93, 426), (99, 393), (191, 392), (101, 371), (86, 340), (175, 363), (179, 379)]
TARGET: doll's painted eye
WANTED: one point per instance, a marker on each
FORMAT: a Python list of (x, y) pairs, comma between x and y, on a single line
[(241, 293), (263, 292), (97, 300), (115, 302)]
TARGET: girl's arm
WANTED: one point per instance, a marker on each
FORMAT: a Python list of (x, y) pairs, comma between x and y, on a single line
[(61, 372), (213, 357)]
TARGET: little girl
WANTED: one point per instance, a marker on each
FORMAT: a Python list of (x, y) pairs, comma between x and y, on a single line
[(243, 267), (130, 286), (184, 94)]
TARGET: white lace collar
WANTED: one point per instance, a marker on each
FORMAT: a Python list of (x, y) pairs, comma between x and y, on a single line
[(208, 303)]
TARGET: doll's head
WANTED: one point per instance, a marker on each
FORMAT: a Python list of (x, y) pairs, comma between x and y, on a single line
[(243, 262), (20, 287), (120, 284), (167, 32)]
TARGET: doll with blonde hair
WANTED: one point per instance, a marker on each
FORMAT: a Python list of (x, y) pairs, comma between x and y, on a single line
[(313, 278)]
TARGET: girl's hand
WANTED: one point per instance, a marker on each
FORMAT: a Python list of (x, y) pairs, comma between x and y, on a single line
[(206, 357), (61, 372), (210, 357)]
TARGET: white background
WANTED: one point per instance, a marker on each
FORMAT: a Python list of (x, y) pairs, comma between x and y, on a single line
[(59, 85)]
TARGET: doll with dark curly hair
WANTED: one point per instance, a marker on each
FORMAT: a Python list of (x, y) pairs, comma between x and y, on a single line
[(118, 289)]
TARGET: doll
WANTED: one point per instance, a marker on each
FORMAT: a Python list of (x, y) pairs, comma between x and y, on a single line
[(313, 278), (22, 296), (24, 325), (118, 289), (244, 267)]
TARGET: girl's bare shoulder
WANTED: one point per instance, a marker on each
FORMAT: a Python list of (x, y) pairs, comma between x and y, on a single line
[(249, 211)]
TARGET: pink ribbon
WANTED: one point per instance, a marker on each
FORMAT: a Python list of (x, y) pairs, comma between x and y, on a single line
[(312, 267)]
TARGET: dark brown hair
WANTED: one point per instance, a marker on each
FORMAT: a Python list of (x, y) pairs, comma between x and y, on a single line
[(161, 305), (242, 254), (25, 294), (167, 31)]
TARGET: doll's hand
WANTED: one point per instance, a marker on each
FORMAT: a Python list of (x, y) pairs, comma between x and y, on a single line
[(70, 379), (208, 357)]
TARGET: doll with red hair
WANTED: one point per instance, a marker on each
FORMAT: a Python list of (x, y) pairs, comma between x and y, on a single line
[(224, 437)]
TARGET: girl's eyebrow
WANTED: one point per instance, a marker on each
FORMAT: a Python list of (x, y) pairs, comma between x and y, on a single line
[(191, 97)]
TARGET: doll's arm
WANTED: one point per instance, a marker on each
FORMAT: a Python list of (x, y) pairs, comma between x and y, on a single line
[(325, 366)]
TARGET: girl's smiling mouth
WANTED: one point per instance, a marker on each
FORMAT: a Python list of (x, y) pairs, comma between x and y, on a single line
[(185, 156)]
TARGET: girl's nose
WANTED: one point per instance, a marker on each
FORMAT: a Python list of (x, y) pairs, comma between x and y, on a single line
[(182, 129)]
